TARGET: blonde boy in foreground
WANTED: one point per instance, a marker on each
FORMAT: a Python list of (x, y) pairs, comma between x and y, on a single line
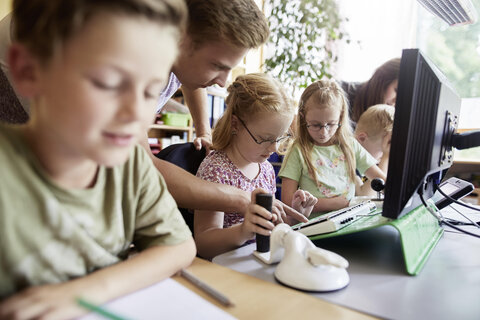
[(76, 188), (374, 132)]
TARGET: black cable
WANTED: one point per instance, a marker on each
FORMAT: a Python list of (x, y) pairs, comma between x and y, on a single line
[(455, 200), (461, 230), (444, 221), (462, 223), (457, 222)]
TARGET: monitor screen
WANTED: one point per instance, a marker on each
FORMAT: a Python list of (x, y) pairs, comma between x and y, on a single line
[(426, 117)]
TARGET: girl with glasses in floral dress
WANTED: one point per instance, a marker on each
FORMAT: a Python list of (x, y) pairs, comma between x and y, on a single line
[(256, 121), (325, 154)]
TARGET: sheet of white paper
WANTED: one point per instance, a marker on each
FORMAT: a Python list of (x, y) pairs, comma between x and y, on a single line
[(167, 299)]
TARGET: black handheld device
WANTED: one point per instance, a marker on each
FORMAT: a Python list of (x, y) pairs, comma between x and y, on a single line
[(265, 200), (454, 188)]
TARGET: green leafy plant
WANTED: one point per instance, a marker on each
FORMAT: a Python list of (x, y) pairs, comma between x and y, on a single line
[(303, 36)]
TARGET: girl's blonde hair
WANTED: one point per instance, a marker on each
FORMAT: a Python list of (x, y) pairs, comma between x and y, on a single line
[(249, 95), (325, 94)]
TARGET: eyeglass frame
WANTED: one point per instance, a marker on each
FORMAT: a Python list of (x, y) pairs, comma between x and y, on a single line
[(278, 140), (318, 127)]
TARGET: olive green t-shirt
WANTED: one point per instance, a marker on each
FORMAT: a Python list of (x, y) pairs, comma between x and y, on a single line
[(49, 234), (330, 163)]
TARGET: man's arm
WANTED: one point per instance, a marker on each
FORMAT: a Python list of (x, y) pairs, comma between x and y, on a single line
[(192, 192), (196, 101), (174, 106)]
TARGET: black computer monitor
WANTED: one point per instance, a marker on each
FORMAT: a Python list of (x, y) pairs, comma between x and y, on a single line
[(426, 117)]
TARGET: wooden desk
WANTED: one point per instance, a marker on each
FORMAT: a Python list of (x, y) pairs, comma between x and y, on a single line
[(259, 299)]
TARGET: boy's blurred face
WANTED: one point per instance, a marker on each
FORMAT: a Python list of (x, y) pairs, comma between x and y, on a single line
[(376, 145), (207, 64), (98, 98)]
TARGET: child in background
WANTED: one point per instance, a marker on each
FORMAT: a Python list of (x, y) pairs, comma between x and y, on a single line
[(76, 188), (256, 120), (374, 132), (324, 155)]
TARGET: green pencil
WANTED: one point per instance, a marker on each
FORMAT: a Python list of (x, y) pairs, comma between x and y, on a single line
[(99, 310)]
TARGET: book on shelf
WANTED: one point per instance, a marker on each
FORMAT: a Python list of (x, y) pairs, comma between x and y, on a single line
[(218, 108), (210, 108)]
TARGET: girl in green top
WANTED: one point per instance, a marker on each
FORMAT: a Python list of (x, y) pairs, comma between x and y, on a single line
[(325, 154)]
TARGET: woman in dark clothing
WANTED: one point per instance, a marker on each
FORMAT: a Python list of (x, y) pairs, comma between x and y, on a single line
[(381, 88)]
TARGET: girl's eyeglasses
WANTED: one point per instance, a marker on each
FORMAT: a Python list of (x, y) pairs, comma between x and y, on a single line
[(265, 142), (319, 126)]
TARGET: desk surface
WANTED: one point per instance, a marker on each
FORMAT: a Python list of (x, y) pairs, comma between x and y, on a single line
[(447, 288), (258, 299)]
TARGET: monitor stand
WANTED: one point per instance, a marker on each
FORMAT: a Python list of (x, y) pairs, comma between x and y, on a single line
[(419, 233)]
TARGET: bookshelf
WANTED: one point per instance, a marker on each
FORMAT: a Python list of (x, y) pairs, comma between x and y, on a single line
[(166, 128), (216, 102), (162, 135), (180, 134)]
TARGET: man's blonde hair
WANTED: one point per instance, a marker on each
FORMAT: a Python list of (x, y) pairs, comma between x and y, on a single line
[(238, 22), (378, 119), (43, 26), (249, 95)]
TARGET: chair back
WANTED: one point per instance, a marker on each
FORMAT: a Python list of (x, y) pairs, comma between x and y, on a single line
[(188, 158)]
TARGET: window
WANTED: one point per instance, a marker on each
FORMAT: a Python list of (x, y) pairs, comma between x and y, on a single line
[(380, 29)]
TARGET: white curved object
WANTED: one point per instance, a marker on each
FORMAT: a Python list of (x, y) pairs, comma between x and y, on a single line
[(303, 265)]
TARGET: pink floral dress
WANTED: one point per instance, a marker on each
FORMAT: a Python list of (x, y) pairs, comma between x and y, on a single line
[(217, 167)]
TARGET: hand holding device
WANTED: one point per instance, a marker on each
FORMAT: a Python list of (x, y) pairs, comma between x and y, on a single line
[(265, 200)]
